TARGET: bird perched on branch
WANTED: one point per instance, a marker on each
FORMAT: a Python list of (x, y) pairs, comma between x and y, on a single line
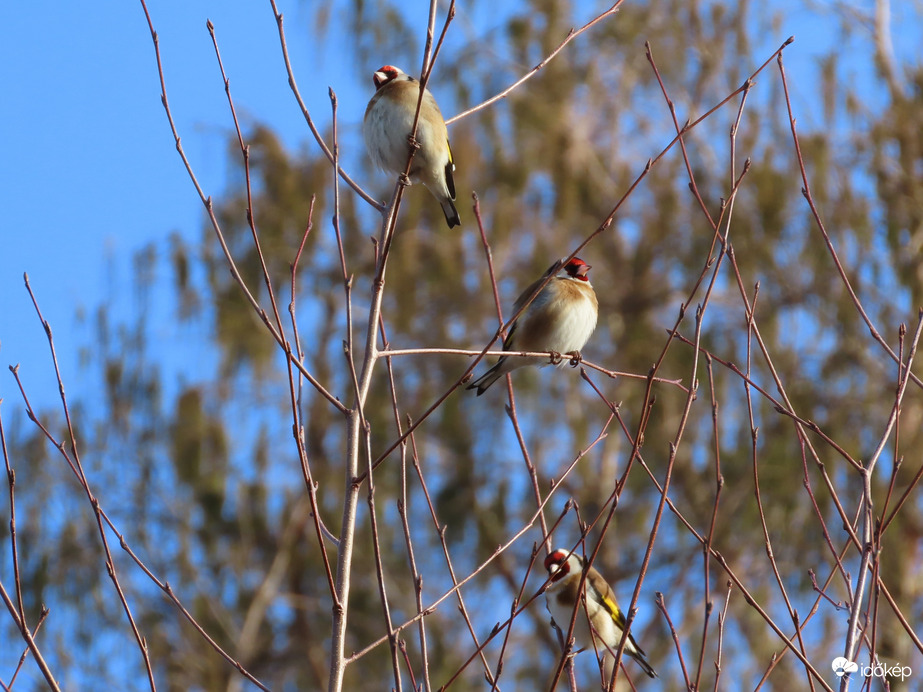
[(560, 320), (387, 127), (601, 614)]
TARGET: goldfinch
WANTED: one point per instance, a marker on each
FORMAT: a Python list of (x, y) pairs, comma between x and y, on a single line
[(560, 319), (387, 126), (601, 613)]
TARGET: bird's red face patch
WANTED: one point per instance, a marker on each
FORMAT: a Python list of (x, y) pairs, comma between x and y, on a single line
[(577, 269), (384, 75), (556, 564)]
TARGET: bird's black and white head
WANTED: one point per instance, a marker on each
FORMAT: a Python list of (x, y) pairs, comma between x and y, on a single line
[(386, 74), (577, 269), (561, 563)]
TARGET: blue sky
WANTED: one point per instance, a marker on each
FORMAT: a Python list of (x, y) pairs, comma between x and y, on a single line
[(91, 175), (90, 171)]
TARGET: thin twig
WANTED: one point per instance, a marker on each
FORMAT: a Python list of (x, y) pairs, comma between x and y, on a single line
[(30, 641), (307, 115), (571, 35), (85, 484), (213, 219), (806, 192)]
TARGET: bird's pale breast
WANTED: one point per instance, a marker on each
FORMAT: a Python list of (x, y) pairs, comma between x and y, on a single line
[(388, 122), (562, 321)]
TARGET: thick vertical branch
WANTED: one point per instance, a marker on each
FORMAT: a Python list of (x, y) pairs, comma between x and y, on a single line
[(356, 420), (868, 515), (884, 49)]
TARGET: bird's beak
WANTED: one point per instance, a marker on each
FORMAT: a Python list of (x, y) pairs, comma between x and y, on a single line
[(550, 565)]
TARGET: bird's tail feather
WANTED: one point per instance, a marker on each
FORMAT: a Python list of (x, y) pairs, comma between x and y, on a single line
[(645, 666), (451, 213), (488, 378), (609, 659)]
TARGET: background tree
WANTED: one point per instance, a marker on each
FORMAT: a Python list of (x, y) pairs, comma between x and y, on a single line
[(763, 433)]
